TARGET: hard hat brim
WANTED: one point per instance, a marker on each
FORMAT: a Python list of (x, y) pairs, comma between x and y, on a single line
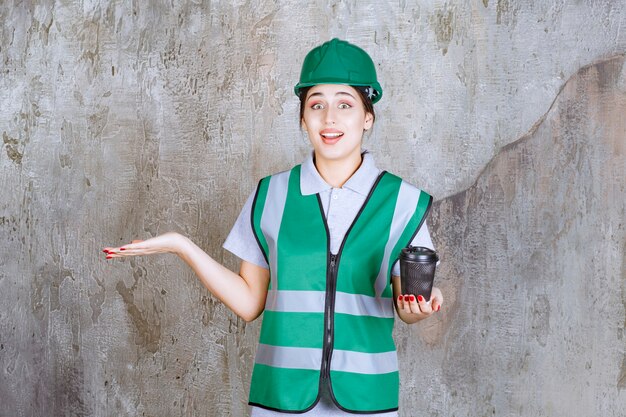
[(375, 85)]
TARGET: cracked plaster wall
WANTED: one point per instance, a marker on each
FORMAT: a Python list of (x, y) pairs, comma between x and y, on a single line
[(129, 119)]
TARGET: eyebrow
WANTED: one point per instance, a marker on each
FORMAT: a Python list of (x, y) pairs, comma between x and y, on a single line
[(340, 93)]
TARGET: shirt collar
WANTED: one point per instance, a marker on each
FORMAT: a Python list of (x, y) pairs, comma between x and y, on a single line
[(311, 182)]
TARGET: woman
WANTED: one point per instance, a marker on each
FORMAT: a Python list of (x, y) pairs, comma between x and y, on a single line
[(330, 231)]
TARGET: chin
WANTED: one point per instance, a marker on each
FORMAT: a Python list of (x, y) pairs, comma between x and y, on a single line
[(336, 154)]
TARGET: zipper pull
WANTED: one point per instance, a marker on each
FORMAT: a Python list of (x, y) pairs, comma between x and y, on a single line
[(333, 260)]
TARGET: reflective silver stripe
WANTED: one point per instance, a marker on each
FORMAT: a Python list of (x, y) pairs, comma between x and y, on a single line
[(296, 301), (289, 357), (342, 360), (363, 305), (313, 302), (271, 219), (406, 203), (364, 363)]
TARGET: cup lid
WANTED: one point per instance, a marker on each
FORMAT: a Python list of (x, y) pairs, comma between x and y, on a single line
[(419, 254)]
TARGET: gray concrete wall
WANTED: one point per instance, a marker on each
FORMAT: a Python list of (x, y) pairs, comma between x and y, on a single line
[(124, 120)]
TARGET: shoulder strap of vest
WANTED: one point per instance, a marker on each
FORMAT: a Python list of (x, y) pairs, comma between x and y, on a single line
[(255, 215), (422, 209), (271, 192)]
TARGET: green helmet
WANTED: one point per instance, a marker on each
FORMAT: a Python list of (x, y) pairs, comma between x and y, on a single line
[(339, 62)]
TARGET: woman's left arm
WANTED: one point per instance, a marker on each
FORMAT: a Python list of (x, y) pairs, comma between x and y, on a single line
[(413, 307)]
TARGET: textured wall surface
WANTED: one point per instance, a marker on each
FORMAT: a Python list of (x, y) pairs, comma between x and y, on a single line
[(536, 325), (127, 119)]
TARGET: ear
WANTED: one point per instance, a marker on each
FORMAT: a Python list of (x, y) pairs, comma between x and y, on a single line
[(369, 121), (303, 124)]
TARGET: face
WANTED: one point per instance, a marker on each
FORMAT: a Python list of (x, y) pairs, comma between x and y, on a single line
[(335, 119)]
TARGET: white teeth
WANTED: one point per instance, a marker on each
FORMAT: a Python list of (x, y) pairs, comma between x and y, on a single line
[(332, 135)]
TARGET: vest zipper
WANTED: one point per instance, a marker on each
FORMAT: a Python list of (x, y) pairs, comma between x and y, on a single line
[(331, 286), (330, 307)]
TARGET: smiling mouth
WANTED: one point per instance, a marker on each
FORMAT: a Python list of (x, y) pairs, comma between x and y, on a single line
[(331, 135)]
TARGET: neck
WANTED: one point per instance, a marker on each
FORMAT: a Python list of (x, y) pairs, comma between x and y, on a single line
[(336, 173)]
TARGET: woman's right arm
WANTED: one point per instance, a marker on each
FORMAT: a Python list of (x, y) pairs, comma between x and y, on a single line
[(243, 293)]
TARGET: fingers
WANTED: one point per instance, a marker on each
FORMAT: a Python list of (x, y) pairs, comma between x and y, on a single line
[(131, 249), (165, 243), (112, 252), (418, 305), (408, 304)]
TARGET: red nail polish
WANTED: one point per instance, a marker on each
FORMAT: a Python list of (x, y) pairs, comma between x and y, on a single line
[(420, 298), (406, 298), (109, 257), (412, 298), (438, 308), (105, 251), (122, 248), (399, 298)]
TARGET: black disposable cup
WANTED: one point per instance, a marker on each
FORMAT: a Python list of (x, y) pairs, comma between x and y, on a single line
[(417, 270)]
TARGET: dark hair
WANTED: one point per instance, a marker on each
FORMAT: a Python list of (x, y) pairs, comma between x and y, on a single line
[(367, 102)]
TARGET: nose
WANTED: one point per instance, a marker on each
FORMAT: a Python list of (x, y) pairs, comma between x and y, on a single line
[(330, 116)]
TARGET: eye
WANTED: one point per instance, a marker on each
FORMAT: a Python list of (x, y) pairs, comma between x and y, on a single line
[(344, 106), (317, 106)]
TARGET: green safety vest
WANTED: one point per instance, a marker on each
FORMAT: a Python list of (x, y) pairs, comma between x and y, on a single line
[(329, 318)]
